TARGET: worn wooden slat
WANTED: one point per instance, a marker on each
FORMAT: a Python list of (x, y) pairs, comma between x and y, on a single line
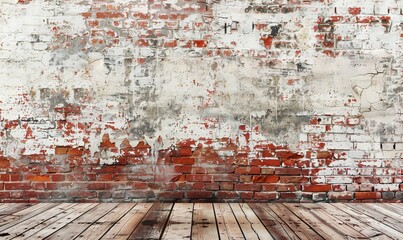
[(385, 229), (371, 211), (15, 208), (392, 207), (125, 226), (61, 222), (277, 228), (320, 226), (396, 205), (179, 225), (204, 223), (42, 226), (102, 225), (384, 210), (366, 230), (26, 225), (153, 224), (228, 227), (251, 229), (15, 218), (76, 227), (256, 224), (330, 219), (302, 230), (5, 206)]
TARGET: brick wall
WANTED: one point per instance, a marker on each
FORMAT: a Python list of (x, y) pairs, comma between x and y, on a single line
[(194, 100)]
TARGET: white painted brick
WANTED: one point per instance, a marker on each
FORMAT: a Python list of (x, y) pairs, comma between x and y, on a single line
[(387, 146), (357, 154), (399, 146), (363, 146), (339, 145)]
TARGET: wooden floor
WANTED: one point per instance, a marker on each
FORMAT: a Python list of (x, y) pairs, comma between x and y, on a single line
[(200, 221)]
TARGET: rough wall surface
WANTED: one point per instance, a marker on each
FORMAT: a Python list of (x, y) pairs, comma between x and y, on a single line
[(201, 100)]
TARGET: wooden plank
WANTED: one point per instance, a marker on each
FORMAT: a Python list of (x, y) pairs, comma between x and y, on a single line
[(76, 227), (26, 225), (256, 224), (125, 226), (102, 225), (332, 221), (153, 224), (396, 205), (302, 230), (228, 227), (368, 210), (385, 229), (387, 210), (247, 220), (277, 228), (15, 208), (204, 223), (366, 230), (320, 226), (62, 220), (16, 218), (49, 222), (392, 207), (179, 225), (5, 206)]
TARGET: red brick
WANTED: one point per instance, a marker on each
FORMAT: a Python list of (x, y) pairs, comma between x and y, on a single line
[(58, 177), (293, 179), (247, 187), (247, 170), (179, 178), (267, 153), (110, 15), (226, 195), (288, 195), (268, 187), (5, 177), (225, 178), (199, 194), (317, 188), (184, 161), (182, 169), (4, 162), (367, 195), (354, 10), (4, 195), (288, 171), (212, 186), (139, 194), (265, 179), (287, 187), (198, 186), (265, 195), (257, 162), (105, 177), (185, 151), (17, 185), (62, 150), (96, 186), (170, 195), (200, 43), (226, 186), (199, 178), (266, 171), (246, 195), (289, 154), (324, 154)]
